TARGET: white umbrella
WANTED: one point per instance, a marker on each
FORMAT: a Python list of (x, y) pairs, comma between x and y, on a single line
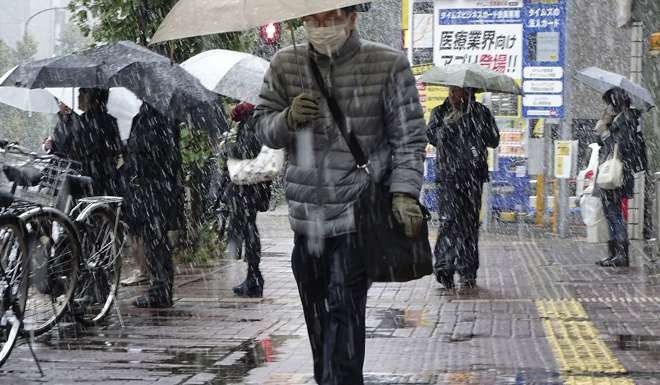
[(37, 100), (205, 17), (602, 81), (471, 76), (238, 75), (122, 103)]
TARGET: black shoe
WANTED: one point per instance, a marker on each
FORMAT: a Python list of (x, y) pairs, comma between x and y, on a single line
[(614, 262), (253, 286), (446, 280), (154, 299), (611, 253), (620, 258)]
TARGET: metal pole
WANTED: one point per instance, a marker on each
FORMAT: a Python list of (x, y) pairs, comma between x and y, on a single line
[(411, 29), (555, 205), (25, 27), (486, 206), (657, 205), (540, 200), (564, 196)]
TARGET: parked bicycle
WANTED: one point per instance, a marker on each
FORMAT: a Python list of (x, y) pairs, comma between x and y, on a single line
[(13, 279), (96, 224), (102, 237), (51, 237)]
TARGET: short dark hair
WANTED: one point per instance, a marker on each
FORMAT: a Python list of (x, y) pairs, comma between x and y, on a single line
[(617, 97), (101, 95)]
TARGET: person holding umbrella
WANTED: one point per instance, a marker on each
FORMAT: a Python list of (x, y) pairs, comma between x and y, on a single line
[(618, 136), (243, 202), (153, 198), (631, 94), (461, 129), (66, 128), (95, 143), (375, 90)]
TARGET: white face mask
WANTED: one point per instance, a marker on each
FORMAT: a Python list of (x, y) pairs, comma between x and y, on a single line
[(327, 40)]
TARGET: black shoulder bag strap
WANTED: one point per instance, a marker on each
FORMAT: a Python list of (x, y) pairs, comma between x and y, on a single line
[(361, 159)]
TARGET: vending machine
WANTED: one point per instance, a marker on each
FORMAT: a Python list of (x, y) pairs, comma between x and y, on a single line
[(510, 187)]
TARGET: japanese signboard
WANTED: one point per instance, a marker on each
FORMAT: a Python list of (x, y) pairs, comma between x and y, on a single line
[(494, 46), (543, 58), (522, 39), (453, 4)]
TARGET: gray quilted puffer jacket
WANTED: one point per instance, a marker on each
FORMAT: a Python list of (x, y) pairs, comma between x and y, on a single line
[(376, 90)]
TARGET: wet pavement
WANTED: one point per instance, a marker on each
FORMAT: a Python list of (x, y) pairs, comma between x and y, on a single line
[(544, 314)]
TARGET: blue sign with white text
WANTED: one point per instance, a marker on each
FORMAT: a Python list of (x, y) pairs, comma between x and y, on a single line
[(544, 57)]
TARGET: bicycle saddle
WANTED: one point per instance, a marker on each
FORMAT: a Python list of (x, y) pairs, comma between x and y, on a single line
[(25, 176), (79, 186), (6, 198)]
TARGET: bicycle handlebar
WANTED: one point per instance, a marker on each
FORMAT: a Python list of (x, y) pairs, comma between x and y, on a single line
[(15, 148)]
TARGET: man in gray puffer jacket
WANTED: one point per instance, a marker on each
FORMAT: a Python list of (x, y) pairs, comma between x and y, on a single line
[(375, 89)]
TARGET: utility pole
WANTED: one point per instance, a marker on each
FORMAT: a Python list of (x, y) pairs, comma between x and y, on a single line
[(563, 225), (27, 22), (411, 30)]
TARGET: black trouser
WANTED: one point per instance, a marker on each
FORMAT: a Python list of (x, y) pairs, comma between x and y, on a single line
[(332, 282), (148, 220), (457, 247), (158, 259), (242, 227)]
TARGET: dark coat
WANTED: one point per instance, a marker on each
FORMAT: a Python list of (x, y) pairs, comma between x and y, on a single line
[(462, 145), (67, 127), (152, 170), (245, 197), (93, 140), (632, 149)]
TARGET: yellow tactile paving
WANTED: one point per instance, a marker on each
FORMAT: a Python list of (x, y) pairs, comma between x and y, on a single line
[(561, 309), (585, 380), (583, 358)]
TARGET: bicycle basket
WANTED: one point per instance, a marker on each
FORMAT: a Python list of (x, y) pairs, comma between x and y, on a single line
[(53, 175)]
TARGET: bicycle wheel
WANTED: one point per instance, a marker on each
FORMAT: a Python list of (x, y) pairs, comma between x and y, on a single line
[(13, 283), (54, 250), (101, 265)]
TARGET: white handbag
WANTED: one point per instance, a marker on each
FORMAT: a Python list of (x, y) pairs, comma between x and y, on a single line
[(266, 167), (610, 173)]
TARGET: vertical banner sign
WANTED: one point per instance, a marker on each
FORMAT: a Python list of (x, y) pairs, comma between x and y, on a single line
[(544, 57)]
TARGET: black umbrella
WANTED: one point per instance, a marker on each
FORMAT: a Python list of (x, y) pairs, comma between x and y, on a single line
[(155, 79)]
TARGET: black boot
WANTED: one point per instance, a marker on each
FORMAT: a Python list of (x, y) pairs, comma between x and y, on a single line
[(155, 297), (620, 256), (253, 286), (611, 253), (445, 279)]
